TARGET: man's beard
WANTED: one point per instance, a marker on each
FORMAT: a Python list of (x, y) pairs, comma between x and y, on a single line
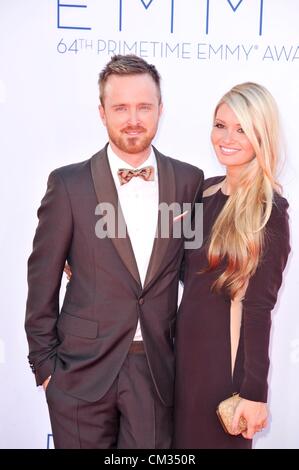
[(132, 144)]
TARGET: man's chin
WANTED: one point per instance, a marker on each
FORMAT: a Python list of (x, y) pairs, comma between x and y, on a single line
[(134, 147)]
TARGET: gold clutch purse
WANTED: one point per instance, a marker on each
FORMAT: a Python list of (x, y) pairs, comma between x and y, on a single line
[(225, 412)]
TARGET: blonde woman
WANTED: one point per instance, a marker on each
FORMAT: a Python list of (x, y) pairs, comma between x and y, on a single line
[(231, 282)]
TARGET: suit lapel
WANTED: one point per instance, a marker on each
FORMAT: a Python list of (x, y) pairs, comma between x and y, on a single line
[(106, 192), (167, 193)]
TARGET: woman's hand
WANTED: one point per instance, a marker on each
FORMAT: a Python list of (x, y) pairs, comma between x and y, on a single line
[(256, 415), (68, 271)]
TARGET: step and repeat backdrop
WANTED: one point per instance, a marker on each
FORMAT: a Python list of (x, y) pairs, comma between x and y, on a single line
[(51, 52)]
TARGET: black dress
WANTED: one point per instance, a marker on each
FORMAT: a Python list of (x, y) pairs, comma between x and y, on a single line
[(203, 346)]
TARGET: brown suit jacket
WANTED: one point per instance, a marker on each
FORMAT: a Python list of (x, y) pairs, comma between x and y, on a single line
[(84, 345)]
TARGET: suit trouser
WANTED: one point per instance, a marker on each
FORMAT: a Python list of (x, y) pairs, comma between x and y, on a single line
[(129, 416)]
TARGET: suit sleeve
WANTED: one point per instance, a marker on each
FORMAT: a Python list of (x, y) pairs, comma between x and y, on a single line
[(260, 299), (45, 267)]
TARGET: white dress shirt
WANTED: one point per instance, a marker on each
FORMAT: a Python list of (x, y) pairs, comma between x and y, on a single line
[(139, 201)]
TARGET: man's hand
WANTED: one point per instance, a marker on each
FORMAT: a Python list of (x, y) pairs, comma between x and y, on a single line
[(67, 270), (46, 383)]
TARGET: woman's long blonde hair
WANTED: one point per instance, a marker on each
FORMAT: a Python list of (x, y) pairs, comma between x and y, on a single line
[(238, 233)]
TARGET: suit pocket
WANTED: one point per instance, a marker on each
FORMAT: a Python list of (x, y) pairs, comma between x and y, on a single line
[(77, 326)]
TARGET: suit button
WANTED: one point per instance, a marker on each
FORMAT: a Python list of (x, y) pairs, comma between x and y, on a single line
[(141, 301)]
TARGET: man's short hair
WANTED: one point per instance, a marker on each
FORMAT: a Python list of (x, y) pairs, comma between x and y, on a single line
[(129, 64)]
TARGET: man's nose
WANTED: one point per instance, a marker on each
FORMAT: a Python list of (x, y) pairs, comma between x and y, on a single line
[(133, 117)]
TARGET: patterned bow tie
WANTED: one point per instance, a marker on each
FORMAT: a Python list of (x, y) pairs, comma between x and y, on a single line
[(126, 174)]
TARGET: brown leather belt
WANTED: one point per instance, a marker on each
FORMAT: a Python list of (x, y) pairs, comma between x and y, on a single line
[(137, 347)]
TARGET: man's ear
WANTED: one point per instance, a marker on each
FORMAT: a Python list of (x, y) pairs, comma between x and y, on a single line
[(160, 108), (102, 114)]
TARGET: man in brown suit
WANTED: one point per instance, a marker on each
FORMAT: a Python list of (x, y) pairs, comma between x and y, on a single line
[(106, 359)]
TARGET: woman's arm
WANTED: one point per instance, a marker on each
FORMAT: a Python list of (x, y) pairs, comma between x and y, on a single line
[(260, 299)]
